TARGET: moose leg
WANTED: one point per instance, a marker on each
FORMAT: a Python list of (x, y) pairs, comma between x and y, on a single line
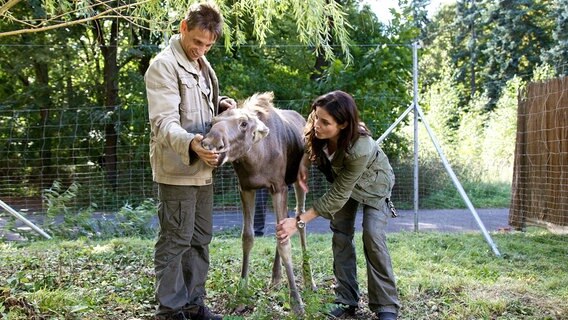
[(276, 269), (306, 266), (279, 200), (247, 234)]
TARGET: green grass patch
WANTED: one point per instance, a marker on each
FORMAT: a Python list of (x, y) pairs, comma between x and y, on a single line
[(440, 276), (481, 195)]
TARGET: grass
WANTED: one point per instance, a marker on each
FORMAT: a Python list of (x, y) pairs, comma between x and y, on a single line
[(440, 276), (481, 194)]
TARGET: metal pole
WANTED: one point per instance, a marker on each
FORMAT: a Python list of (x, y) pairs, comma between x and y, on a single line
[(415, 104), (418, 113), (26, 221), (391, 128), (458, 184)]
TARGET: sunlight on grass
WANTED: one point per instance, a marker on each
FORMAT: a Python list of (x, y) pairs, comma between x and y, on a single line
[(61, 301)]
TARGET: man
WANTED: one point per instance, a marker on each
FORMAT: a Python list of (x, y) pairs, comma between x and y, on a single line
[(183, 97)]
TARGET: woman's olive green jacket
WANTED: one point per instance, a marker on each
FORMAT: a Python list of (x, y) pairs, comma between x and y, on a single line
[(363, 173)]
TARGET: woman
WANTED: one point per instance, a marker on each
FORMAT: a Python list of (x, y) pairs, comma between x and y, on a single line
[(342, 148)]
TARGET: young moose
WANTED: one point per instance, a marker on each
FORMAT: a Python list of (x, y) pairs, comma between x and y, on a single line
[(265, 146)]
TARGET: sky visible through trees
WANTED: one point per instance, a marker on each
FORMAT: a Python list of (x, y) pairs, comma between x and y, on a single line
[(381, 7)]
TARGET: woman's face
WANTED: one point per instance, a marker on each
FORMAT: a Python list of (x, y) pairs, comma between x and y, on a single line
[(325, 125)]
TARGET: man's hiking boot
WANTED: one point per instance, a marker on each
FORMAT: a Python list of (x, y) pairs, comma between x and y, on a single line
[(342, 309), (201, 313)]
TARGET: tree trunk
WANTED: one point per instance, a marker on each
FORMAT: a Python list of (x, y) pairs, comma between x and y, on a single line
[(110, 74), (44, 98), (321, 63)]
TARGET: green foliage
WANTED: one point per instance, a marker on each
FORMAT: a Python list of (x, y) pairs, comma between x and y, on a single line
[(57, 198), (521, 31), (439, 276), (479, 144), (63, 220), (481, 194), (557, 55), (66, 77), (415, 12), (130, 221), (55, 112), (500, 135), (442, 104), (312, 18), (488, 43), (543, 72)]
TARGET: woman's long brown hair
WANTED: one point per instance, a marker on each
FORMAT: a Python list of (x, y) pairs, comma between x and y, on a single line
[(341, 106)]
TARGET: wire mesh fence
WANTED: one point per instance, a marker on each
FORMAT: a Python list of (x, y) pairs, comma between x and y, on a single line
[(68, 148), (96, 158), (540, 179), (58, 161)]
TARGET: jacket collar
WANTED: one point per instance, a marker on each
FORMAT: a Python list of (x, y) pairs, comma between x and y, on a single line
[(181, 58)]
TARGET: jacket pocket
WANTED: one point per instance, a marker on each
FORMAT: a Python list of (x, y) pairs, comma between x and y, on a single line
[(368, 178), (190, 94), (376, 181)]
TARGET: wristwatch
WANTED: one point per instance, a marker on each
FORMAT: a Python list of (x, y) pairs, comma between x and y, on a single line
[(300, 224)]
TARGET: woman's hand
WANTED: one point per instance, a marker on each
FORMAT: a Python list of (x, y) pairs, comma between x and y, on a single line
[(285, 229)]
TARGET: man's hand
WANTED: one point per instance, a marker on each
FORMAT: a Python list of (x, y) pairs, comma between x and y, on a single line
[(211, 158), (227, 104), (285, 229)]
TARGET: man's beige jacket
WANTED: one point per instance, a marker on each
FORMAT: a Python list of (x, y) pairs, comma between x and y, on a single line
[(179, 107)]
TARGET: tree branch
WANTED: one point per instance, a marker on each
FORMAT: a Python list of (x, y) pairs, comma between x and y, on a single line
[(5, 7), (69, 23)]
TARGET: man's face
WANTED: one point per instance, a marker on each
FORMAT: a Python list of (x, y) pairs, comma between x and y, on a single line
[(195, 42)]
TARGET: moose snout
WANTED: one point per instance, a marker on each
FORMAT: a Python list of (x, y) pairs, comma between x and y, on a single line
[(210, 142)]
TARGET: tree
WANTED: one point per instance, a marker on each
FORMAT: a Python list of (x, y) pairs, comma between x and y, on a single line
[(114, 24), (521, 29), (438, 47), (380, 74), (311, 17), (490, 42), (468, 24), (557, 55), (415, 12), (33, 81), (92, 78)]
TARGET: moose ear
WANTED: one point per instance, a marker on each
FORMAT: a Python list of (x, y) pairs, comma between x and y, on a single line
[(260, 131)]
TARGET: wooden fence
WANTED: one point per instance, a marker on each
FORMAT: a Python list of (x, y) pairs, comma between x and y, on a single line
[(540, 174)]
